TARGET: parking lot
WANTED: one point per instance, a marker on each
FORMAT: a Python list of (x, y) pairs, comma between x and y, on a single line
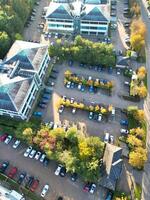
[(80, 118), (58, 186)]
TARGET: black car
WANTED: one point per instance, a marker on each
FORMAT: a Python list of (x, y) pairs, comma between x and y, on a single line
[(42, 105), (45, 101), (46, 162), (53, 77), (4, 166), (30, 181), (62, 172), (74, 176), (60, 198), (48, 91), (21, 177)]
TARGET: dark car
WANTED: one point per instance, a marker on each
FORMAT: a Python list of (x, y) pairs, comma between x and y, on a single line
[(109, 196), (45, 101), (42, 105), (53, 77), (62, 172), (46, 162), (47, 91), (12, 172), (46, 96), (4, 166), (87, 187), (30, 181), (34, 185), (3, 137), (124, 122), (60, 198), (74, 176), (21, 177)]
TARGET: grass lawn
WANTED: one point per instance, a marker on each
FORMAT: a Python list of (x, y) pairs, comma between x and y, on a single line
[(133, 123), (137, 192)]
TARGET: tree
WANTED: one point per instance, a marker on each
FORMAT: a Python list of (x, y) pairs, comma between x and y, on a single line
[(137, 42), (142, 91), (141, 73), (138, 27), (4, 43), (139, 115), (138, 132), (28, 135), (133, 141), (18, 36), (138, 157)]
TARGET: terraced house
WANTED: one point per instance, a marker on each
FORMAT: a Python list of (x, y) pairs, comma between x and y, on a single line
[(21, 76), (89, 17)]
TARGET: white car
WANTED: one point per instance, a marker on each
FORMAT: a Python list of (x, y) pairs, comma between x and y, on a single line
[(61, 109), (68, 84), (79, 86), (27, 152), (99, 119), (32, 153), (90, 78), (56, 35), (74, 110), (127, 83), (57, 171), (16, 144), (93, 188), (106, 138), (111, 138), (124, 131), (8, 139), (71, 100), (37, 156), (44, 190), (42, 158)]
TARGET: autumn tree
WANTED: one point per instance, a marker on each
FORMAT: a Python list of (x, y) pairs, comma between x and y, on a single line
[(28, 135), (139, 115), (137, 42), (138, 132), (141, 72), (142, 91), (138, 157)]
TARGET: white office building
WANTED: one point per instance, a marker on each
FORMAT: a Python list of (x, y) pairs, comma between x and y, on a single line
[(90, 17), (21, 76)]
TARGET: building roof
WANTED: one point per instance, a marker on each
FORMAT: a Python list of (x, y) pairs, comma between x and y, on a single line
[(17, 72), (124, 61), (93, 12), (113, 163), (58, 11), (6, 194)]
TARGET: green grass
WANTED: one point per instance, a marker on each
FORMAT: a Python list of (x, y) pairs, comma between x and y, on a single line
[(145, 81), (132, 121), (137, 192)]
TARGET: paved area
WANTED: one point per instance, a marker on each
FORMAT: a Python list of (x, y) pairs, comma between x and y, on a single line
[(58, 186)]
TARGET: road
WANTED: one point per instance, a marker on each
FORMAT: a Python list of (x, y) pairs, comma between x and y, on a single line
[(58, 186), (146, 174)]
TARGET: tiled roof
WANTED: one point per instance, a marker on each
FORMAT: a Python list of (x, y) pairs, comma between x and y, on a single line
[(113, 163)]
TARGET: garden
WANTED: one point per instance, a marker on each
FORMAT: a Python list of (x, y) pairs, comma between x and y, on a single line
[(70, 77)]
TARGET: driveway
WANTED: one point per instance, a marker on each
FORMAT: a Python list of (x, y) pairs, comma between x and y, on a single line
[(58, 186)]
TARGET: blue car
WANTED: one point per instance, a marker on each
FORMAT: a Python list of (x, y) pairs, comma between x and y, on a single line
[(110, 70), (38, 114), (82, 88), (105, 81), (45, 96), (91, 88), (124, 122)]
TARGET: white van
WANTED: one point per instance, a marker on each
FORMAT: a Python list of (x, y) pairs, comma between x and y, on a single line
[(106, 138), (113, 111)]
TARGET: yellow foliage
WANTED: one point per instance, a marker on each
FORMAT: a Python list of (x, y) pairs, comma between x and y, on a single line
[(139, 115), (138, 157), (133, 141), (67, 73), (138, 27), (142, 91), (137, 42)]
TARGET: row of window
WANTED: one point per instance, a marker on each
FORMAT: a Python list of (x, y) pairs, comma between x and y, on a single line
[(94, 28), (82, 21), (60, 26), (60, 20)]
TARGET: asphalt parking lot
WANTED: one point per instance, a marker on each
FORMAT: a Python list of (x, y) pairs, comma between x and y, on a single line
[(58, 185), (113, 124)]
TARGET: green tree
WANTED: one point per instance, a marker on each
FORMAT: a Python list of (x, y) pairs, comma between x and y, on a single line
[(4, 43)]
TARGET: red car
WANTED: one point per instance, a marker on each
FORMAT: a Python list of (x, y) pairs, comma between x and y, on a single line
[(86, 187), (3, 137), (12, 172), (34, 185)]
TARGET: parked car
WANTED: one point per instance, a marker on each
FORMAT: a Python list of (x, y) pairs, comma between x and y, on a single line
[(124, 131), (3, 137), (109, 196), (32, 153), (45, 101), (74, 110), (99, 118), (46, 162), (58, 169), (126, 83), (16, 144), (47, 91), (38, 114), (61, 109), (74, 176), (72, 100), (44, 190), (27, 152), (46, 96), (3, 166), (34, 185), (91, 114), (21, 177), (72, 85), (37, 156), (124, 122), (8, 139), (91, 88), (30, 181), (111, 139), (42, 105), (68, 85), (62, 171), (64, 98), (86, 187), (12, 172), (43, 156), (92, 188), (106, 138)]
